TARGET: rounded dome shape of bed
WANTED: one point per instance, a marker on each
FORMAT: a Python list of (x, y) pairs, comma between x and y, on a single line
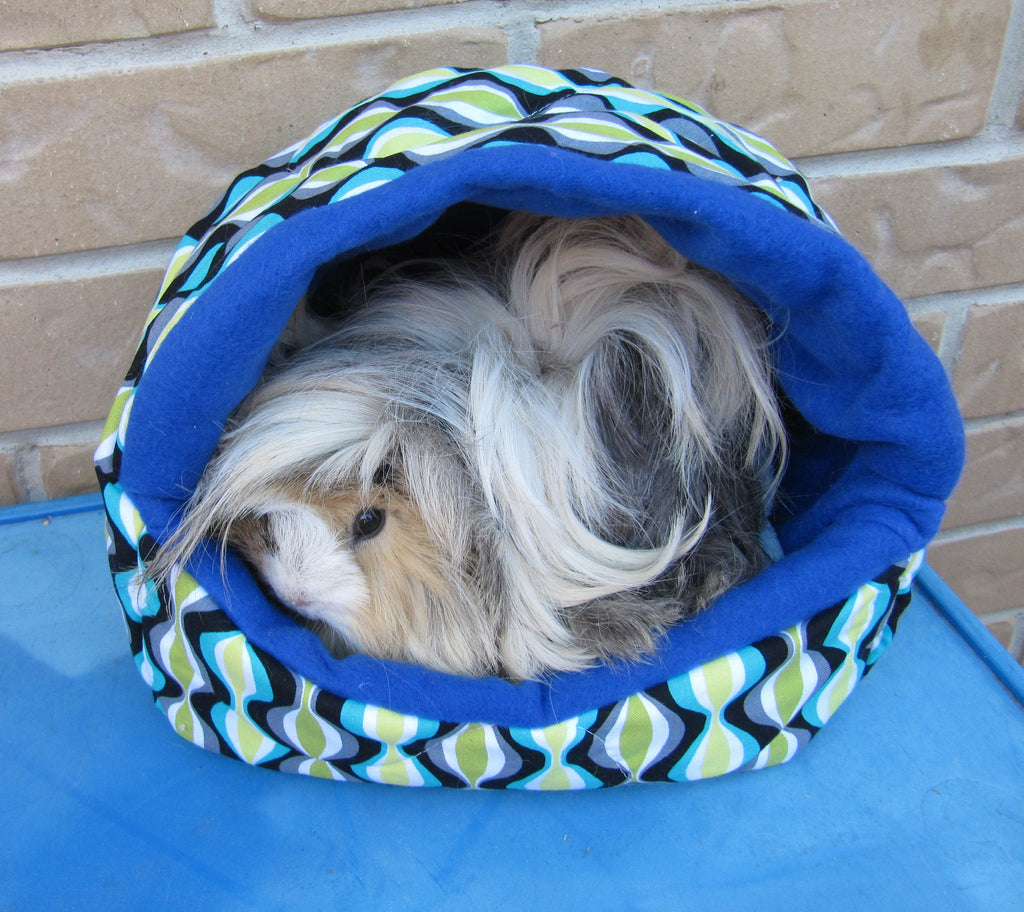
[(875, 446)]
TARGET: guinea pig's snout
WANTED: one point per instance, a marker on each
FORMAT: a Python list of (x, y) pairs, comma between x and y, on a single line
[(310, 571), (293, 592), (331, 591)]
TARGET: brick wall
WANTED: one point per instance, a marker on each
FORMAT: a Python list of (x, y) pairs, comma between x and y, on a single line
[(121, 122)]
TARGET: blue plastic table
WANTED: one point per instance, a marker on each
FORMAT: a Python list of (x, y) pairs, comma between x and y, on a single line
[(911, 797)]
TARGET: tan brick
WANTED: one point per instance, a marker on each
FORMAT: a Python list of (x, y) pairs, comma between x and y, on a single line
[(111, 159), (989, 377), (66, 347), (931, 230), (321, 9), (992, 486), (814, 77), (41, 24), (67, 470), (931, 326), (1002, 631), (985, 571), (8, 486)]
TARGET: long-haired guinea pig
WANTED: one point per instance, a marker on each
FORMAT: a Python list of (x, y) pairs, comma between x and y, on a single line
[(526, 461)]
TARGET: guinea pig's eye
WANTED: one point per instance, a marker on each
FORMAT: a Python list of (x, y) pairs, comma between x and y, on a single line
[(368, 523)]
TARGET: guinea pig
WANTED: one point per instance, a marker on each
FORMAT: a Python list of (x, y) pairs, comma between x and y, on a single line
[(525, 461)]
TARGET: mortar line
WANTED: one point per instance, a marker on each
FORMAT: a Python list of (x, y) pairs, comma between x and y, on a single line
[(1006, 614), (983, 422), (78, 265), (28, 474), (991, 527), (522, 42), (238, 39), (238, 33), (1016, 644), (951, 345), (986, 296), (229, 13), (1009, 83), (75, 434), (990, 146), (956, 306)]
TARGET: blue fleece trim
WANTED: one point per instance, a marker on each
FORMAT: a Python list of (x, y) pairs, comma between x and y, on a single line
[(849, 360)]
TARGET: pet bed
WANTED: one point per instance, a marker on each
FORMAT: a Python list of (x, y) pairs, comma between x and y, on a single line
[(875, 437)]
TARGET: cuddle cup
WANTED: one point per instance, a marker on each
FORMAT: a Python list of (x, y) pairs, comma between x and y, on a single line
[(876, 445)]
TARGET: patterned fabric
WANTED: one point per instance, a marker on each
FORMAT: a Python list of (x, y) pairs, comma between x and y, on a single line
[(745, 710), (751, 709), (443, 112)]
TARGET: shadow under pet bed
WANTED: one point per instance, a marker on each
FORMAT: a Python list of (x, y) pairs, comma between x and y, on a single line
[(876, 445)]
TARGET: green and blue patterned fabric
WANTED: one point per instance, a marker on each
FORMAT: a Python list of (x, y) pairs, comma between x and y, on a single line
[(875, 436)]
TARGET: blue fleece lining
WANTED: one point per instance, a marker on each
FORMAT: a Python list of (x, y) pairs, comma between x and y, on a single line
[(848, 356)]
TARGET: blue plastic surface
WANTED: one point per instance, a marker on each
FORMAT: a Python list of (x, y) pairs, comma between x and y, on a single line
[(910, 798)]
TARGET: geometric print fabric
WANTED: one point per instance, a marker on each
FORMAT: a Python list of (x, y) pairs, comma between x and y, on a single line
[(755, 707)]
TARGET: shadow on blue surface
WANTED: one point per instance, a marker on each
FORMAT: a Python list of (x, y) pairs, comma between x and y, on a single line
[(912, 794)]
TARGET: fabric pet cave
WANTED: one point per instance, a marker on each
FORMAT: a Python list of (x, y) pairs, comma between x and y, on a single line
[(876, 446)]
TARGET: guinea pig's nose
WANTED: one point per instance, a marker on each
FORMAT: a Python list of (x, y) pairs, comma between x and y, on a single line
[(291, 592)]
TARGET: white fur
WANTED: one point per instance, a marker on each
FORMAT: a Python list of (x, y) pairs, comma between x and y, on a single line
[(308, 571), (574, 440)]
